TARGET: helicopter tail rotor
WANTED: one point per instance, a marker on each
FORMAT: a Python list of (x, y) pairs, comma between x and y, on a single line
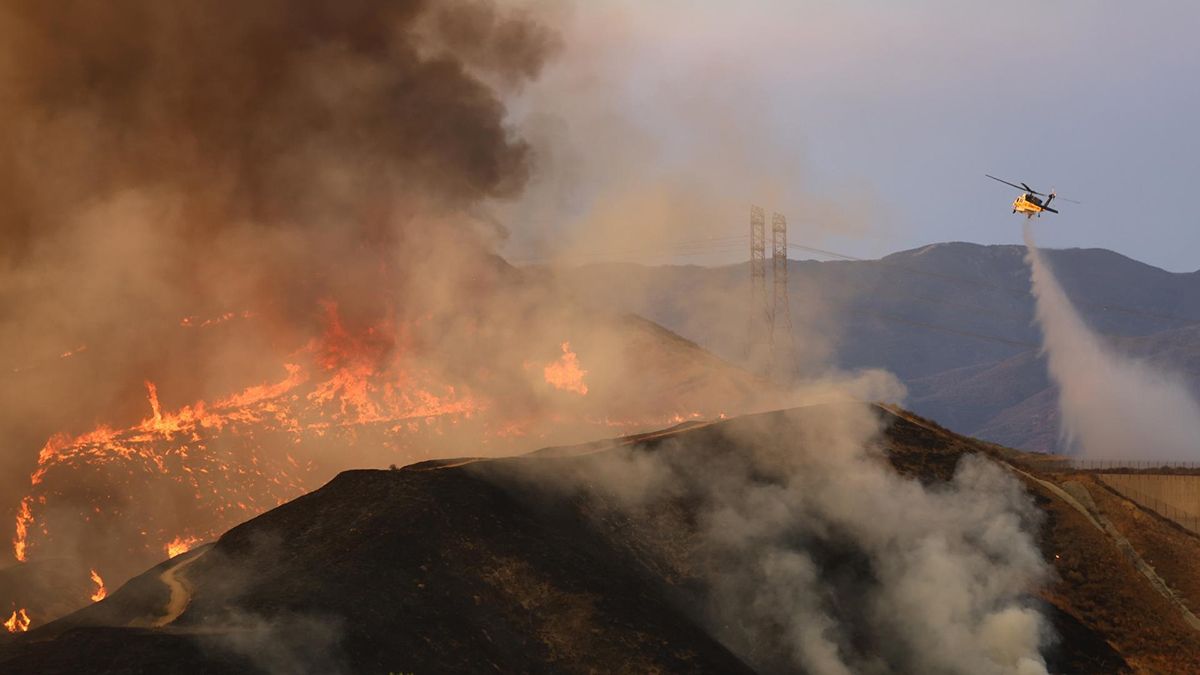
[(1053, 194)]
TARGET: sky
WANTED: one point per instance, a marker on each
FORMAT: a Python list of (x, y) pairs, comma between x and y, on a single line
[(869, 123)]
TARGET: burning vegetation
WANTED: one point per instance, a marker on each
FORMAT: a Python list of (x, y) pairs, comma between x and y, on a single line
[(100, 592), (18, 622), (180, 545), (236, 456), (278, 183), (351, 393), (283, 186), (565, 373)]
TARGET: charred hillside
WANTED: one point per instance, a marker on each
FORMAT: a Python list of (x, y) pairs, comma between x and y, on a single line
[(576, 559)]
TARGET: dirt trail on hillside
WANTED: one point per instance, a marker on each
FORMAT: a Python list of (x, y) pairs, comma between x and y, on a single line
[(1076, 494), (181, 590)]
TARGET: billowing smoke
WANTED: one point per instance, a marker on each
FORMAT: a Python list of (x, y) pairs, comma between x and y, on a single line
[(246, 246), (313, 170), (206, 157), (1112, 406), (818, 556), (313, 167), (655, 142), (285, 644)]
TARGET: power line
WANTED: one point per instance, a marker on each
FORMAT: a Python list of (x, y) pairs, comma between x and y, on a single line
[(943, 329), (728, 244), (762, 317), (685, 247)]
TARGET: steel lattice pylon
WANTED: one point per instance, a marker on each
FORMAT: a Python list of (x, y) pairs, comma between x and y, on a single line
[(781, 313), (760, 313)]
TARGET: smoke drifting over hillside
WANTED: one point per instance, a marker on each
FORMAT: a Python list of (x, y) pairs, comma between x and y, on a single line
[(1112, 406), (210, 156), (818, 557), (246, 246), (160, 161), (852, 569), (199, 197), (316, 173)]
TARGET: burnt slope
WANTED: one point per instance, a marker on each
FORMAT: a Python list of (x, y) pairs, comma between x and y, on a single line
[(485, 566), (393, 571), (636, 375)]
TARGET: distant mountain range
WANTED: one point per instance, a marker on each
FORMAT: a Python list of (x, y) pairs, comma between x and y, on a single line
[(954, 321)]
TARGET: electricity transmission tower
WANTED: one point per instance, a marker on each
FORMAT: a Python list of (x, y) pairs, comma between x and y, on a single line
[(760, 313), (769, 318), (781, 314)]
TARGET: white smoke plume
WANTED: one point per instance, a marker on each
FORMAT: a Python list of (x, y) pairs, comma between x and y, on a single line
[(1112, 406), (818, 556), (287, 644)]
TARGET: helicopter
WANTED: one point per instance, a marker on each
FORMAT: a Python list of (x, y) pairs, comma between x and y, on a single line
[(1029, 203)]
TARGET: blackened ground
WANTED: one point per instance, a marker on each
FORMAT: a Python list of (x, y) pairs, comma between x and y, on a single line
[(398, 571), (487, 566)]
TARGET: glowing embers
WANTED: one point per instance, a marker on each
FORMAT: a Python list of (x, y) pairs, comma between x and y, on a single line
[(197, 322), (100, 593), (565, 373), (180, 545), (18, 622)]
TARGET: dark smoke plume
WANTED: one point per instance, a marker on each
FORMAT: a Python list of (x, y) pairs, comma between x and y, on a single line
[(329, 119), (166, 159)]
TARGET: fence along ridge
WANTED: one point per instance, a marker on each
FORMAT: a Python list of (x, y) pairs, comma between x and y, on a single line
[(1136, 464), (1188, 521)]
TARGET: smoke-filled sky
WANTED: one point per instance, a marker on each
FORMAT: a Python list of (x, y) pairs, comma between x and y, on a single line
[(339, 175), (869, 122), (314, 178), (160, 161)]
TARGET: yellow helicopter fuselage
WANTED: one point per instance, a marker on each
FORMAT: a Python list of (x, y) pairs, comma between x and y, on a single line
[(1029, 203), (1022, 204)]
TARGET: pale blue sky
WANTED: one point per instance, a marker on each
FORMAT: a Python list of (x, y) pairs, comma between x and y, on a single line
[(870, 123)]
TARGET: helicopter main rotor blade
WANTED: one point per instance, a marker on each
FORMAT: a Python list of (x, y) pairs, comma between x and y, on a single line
[(1019, 187), (1068, 200), (1031, 190)]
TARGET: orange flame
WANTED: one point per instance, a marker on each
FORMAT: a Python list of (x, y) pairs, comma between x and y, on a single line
[(239, 455), (100, 593), (180, 545), (335, 383), (18, 622), (565, 373), (24, 520)]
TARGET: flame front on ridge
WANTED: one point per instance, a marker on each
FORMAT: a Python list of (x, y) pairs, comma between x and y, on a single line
[(100, 592), (232, 458)]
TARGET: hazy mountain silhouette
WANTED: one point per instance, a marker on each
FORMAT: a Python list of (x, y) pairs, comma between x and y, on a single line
[(954, 321)]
